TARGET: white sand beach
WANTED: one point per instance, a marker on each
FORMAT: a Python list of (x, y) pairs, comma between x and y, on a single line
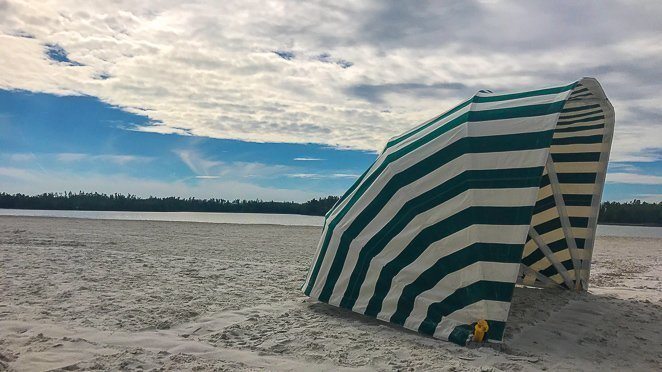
[(141, 295)]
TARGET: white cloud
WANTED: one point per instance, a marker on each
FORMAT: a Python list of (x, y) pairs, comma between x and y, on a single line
[(307, 159), (70, 157), (111, 158), (209, 168), (650, 198), (633, 178), (322, 176), (209, 69), (21, 157)]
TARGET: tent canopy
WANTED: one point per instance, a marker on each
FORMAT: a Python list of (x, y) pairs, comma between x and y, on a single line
[(501, 189)]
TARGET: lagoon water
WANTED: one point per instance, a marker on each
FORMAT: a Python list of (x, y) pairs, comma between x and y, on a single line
[(207, 217), (265, 219)]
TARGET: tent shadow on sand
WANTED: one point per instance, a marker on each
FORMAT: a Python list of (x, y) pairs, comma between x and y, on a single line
[(548, 324)]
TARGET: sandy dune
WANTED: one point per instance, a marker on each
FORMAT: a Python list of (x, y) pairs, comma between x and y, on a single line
[(92, 294)]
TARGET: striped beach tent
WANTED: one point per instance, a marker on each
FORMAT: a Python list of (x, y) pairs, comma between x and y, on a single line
[(501, 189)]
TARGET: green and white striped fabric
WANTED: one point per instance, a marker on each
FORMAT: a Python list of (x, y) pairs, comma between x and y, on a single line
[(503, 188)]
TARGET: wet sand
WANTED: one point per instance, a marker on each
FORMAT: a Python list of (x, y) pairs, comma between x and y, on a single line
[(105, 295)]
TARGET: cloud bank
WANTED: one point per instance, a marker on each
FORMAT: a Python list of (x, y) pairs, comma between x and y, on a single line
[(345, 74)]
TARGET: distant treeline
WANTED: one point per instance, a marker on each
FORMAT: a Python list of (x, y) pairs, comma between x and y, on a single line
[(118, 202), (634, 212)]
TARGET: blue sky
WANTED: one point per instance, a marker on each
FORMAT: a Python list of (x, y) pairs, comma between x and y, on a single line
[(289, 101), (62, 143)]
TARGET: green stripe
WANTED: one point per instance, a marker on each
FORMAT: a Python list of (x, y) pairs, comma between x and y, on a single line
[(577, 140), (514, 142), (517, 112), (570, 200), (564, 117), (576, 92), (547, 226), (576, 157), (579, 108), (558, 245), (578, 200), (579, 129), (535, 110), (580, 96), (578, 221), (586, 120), (441, 230), (428, 279), (533, 257), (551, 270), (481, 99), (532, 93), (544, 204), (576, 177), (481, 179), (538, 255), (461, 334), (463, 297)]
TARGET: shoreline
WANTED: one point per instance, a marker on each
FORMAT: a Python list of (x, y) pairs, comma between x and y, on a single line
[(295, 215), (629, 224), (165, 221)]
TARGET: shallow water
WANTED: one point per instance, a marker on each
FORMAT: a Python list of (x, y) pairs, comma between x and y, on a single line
[(630, 231), (208, 217)]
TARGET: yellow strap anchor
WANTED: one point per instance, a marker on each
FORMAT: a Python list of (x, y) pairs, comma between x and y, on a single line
[(480, 329)]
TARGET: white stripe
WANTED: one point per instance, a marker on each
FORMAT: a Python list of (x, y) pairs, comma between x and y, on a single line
[(380, 160), (382, 179), (517, 102), (524, 197), (582, 124), (576, 148), (578, 115), (477, 129), (440, 248), (576, 167), (515, 159), (500, 272), (489, 271), (473, 107), (584, 119), (524, 124), (446, 326), (583, 133), (511, 234)]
